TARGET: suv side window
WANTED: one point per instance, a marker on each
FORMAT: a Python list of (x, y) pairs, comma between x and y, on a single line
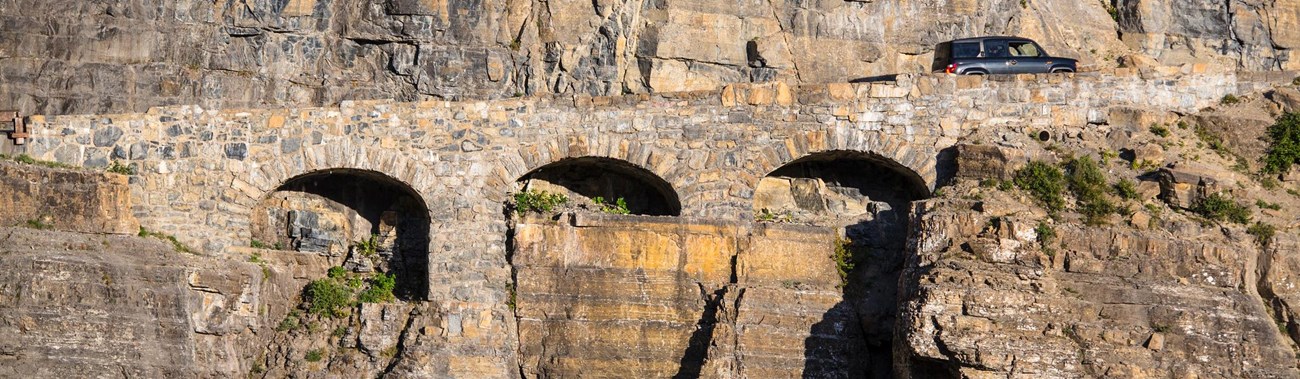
[(966, 50), (995, 48), (1023, 49)]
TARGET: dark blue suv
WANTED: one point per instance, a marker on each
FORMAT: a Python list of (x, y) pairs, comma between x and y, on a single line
[(997, 55)]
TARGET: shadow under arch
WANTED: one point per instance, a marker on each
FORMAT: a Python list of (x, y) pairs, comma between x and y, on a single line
[(590, 177), (326, 211), (868, 196)]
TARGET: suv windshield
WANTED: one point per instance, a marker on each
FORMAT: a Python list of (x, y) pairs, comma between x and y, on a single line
[(965, 50)]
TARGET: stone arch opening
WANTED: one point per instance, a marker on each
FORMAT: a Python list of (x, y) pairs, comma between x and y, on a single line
[(329, 212), (867, 197), (588, 178)]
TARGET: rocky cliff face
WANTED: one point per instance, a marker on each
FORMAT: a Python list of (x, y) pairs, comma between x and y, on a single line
[(992, 281), (64, 57)]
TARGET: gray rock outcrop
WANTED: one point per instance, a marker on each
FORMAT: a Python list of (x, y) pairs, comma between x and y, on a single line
[(64, 57)]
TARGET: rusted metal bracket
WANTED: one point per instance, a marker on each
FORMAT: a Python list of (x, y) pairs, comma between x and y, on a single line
[(15, 124)]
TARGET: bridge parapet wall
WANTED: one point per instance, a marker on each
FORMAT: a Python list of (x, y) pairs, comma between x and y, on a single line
[(464, 156)]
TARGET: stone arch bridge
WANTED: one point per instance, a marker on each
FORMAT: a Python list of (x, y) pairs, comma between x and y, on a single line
[(464, 157), (203, 173)]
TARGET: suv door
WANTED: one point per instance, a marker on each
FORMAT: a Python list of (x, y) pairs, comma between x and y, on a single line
[(997, 58), (1027, 57)]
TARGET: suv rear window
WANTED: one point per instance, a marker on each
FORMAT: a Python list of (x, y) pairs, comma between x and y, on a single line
[(966, 50)]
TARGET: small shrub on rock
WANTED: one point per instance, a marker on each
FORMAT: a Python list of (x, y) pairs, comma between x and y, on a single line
[(380, 291), (1046, 234), (328, 297), (1126, 189), (1044, 182), (1284, 147), (846, 259), (1263, 232), (1159, 130), (314, 355), (1088, 184), (1221, 208)]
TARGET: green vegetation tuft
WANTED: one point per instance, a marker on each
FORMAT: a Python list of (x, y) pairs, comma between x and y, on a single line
[(340, 290), (369, 247), (846, 259), (1213, 141), (1110, 9), (1284, 147), (1088, 184), (1046, 234), (1126, 189), (176, 244), (314, 355), (1044, 182), (27, 159), (1221, 208), (328, 297), (291, 321), (538, 201), (619, 207), (1159, 130), (766, 215), (1267, 205), (1263, 232), (37, 224), (511, 296), (119, 168), (380, 290), (1229, 99)]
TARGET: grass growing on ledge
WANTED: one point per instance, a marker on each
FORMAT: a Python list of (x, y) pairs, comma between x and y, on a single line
[(119, 168), (619, 207), (37, 224), (538, 201), (177, 245), (27, 159)]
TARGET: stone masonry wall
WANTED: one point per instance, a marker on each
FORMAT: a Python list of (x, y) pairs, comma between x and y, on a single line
[(84, 202), (203, 171)]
